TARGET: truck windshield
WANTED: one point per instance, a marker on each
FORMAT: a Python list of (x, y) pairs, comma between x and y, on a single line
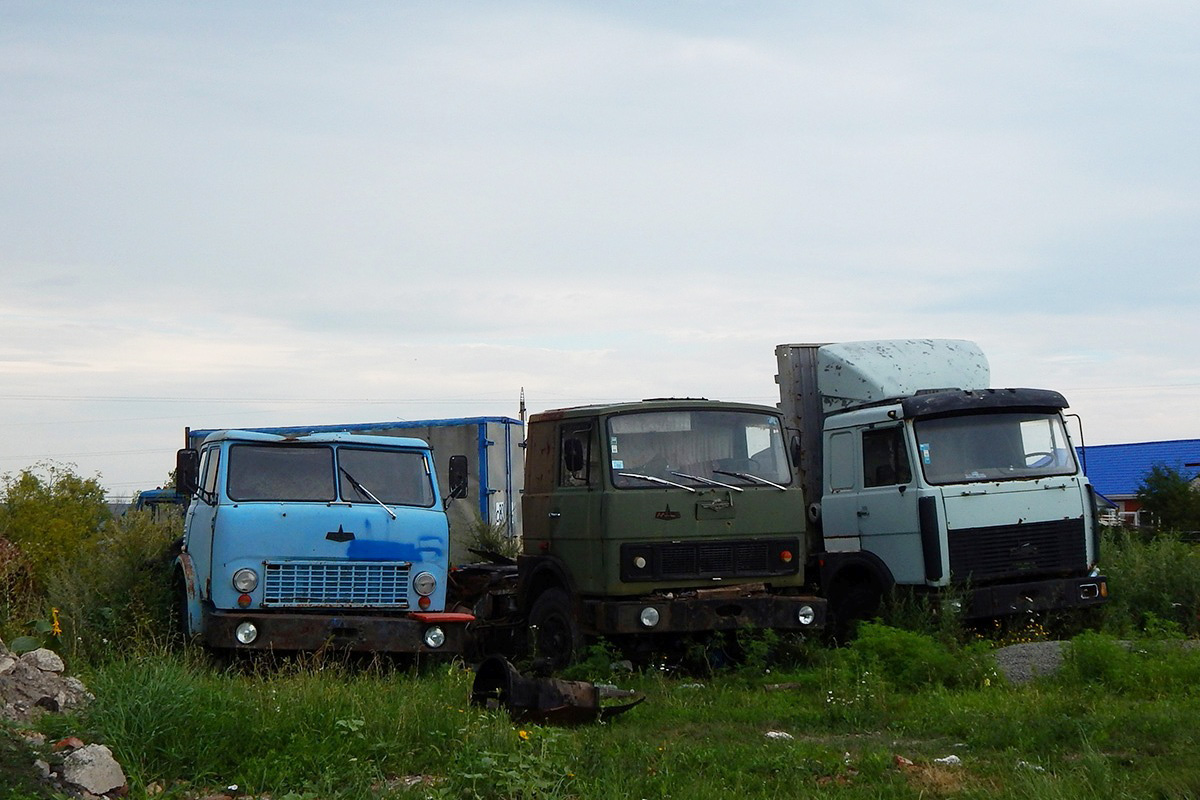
[(1001, 446), (680, 446), (395, 478), (306, 473)]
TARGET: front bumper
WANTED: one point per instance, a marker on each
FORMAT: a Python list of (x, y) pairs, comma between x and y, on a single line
[(1008, 599), (286, 631), (693, 615)]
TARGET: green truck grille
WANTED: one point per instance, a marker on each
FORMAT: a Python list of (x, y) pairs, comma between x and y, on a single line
[(338, 584), (752, 558)]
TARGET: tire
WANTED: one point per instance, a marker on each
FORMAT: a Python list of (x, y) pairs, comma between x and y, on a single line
[(554, 632), (850, 603)]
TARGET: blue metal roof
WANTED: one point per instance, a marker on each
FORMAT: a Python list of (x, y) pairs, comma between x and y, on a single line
[(1117, 470), (363, 427)]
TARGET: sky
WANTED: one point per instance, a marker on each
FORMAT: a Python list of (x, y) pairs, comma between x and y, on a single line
[(231, 214)]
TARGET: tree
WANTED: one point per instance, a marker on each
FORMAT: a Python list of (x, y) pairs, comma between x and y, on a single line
[(1169, 495), (48, 511)]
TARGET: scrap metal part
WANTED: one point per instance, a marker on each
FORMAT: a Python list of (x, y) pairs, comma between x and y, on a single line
[(499, 684)]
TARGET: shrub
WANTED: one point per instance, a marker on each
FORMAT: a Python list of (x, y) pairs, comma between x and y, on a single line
[(907, 660), (1142, 667), (48, 512), (113, 592), (1153, 583)]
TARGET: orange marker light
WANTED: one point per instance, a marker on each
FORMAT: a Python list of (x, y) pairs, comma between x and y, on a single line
[(423, 602), (785, 556), (244, 600)]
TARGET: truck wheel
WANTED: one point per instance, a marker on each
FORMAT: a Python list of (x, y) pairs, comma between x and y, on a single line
[(556, 634), (849, 603)]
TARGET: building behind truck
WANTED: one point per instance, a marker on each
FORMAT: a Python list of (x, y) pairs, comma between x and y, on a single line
[(918, 474), (484, 452), (296, 542)]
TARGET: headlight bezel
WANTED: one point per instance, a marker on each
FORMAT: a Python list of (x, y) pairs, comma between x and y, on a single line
[(245, 580), (424, 583)]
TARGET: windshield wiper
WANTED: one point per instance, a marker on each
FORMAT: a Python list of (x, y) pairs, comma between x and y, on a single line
[(746, 476), (709, 481), (364, 490), (653, 479)]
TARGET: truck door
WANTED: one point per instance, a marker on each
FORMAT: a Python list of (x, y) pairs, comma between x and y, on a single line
[(573, 508), (839, 504), (202, 517), (887, 504)]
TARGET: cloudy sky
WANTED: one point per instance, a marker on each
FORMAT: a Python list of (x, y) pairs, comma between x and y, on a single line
[(282, 213)]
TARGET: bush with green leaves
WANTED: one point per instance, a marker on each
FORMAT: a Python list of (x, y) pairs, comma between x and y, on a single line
[(1153, 583), (113, 593), (1170, 498), (909, 661), (48, 513)]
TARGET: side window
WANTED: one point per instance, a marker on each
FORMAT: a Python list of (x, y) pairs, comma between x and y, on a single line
[(885, 459), (839, 460), (574, 455), (208, 473)]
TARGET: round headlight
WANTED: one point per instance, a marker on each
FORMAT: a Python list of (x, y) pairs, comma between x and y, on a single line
[(245, 580), (434, 637), (640, 562), (805, 615), (246, 633), (424, 583), (649, 616)]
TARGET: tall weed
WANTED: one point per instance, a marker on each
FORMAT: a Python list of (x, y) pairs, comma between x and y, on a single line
[(113, 593), (1153, 580)]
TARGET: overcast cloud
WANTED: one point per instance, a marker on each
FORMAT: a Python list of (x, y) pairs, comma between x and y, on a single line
[(227, 214)]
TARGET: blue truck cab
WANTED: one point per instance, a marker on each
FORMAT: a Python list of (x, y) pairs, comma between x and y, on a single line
[(307, 541)]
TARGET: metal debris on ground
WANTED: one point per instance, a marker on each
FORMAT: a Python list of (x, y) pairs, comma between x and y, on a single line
[(498, 684)]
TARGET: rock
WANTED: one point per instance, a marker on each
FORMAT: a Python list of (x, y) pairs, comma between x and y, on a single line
[(7, 662), (45, 660), (93, 769), (780, 735), (948, 761), (33, 684)]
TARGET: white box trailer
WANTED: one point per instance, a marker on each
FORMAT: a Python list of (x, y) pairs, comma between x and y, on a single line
[(494, 447)]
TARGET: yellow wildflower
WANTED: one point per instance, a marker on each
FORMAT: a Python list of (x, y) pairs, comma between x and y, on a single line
[(524, 735), (55, 628)]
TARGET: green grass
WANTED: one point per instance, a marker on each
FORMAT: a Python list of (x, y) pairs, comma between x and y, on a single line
[(1116, 722)]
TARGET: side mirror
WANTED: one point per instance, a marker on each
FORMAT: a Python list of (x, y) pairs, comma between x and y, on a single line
[(796, 450), (459, 479), (187, 472), (572, 455)]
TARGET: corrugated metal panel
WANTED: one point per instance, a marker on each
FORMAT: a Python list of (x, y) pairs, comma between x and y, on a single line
[(1117, 470)]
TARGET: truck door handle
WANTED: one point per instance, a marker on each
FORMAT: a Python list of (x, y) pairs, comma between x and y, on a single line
[(862, 512), (554, 515)]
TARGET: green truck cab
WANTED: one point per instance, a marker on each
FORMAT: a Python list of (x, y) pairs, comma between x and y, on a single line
[(657, 518)]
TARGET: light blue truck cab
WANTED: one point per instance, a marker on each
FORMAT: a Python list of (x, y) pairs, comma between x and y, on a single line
[(301, 542), (920, 475)]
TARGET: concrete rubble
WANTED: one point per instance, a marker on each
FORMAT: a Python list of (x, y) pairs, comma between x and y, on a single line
[(32, 684)]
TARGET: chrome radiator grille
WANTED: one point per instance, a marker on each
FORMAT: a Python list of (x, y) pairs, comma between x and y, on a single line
[(377, 584)]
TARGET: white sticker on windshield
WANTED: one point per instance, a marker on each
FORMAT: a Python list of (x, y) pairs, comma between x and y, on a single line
[(925, 453), (618, 464)]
